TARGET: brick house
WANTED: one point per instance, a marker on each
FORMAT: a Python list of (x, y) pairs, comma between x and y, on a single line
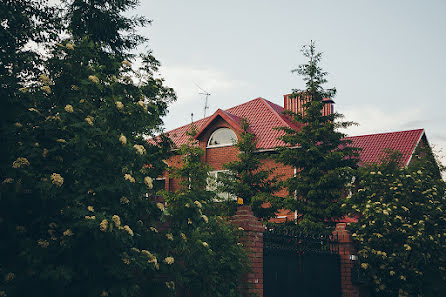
[(216, 133), (215, 136)]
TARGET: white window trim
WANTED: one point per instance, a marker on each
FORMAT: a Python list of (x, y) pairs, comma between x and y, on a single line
[(295, 195), (218, 145), (225, 195), (221, 145)]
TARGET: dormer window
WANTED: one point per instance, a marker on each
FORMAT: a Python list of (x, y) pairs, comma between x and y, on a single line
[(222, 137)]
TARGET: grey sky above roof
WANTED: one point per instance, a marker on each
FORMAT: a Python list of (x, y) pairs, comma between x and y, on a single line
[(386, 58)]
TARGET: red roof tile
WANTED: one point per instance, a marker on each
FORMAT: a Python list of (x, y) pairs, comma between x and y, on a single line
[(374, 145), (263, 116), (231, 119)]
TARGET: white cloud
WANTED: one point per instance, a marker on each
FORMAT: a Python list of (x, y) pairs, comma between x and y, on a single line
[(184, 80), (372, 119)]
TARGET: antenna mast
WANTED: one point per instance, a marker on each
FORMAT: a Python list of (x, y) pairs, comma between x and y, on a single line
[(207, 94)]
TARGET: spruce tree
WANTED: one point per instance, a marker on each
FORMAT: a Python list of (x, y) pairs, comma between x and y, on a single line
[(248, 180), (323, 159)]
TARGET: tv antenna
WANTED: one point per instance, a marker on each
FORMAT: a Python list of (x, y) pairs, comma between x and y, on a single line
[(207, 94)]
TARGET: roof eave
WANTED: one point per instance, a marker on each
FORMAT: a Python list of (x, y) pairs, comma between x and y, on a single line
[(414, 148), (224, 116)]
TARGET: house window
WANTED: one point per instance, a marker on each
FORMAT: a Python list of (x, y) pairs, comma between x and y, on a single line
[(222, 137), (159, 184), (212, 185)]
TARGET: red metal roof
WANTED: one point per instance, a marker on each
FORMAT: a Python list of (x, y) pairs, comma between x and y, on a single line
[(374, 145), (263, 116), (231, 119)]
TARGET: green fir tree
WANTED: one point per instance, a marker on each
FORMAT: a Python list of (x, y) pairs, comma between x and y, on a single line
[(248, 180), (318, 151)]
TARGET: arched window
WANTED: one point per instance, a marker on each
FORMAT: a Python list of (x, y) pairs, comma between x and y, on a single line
[(222, 137)]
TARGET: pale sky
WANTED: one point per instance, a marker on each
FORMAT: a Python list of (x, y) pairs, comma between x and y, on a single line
[(386, 58)]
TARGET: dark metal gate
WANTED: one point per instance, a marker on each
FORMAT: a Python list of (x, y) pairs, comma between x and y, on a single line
[(301, 265)]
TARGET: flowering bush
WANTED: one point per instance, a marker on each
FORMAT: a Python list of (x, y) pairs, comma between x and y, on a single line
[(401, 227), (74, 212), (208, 259)]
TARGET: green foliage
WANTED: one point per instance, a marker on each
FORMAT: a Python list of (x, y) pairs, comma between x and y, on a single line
[(323, 159), (401, 226), (211, 262), (192, 173), (247, 179), (102, 22), (22, 22), (74, 216)]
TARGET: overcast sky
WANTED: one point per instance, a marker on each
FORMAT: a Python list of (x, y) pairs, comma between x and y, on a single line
[(386, 58)]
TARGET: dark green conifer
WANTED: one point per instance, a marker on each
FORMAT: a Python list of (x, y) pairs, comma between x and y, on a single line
[(322, 158), (248, 179)]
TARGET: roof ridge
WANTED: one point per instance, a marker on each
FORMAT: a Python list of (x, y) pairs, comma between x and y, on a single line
[(230, 114), (275, 112), (186, 125), (270, 102), (382, 133)]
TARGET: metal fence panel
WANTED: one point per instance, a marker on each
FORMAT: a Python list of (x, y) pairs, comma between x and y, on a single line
[(300, 265)]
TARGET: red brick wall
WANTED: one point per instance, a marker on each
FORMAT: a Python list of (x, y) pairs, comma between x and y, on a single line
[(346, 249), (218, 156), (252, 282)]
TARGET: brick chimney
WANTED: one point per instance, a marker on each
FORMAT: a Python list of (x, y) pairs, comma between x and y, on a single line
[(296, 105)]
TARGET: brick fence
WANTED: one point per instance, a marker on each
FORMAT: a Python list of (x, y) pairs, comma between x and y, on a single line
[(252, 282), (346, 249)]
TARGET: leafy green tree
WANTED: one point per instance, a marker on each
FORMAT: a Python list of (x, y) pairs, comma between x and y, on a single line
[(401, 226), (22, 24), (103, 22), (323, 159), (210, 259), (247, 179), (74, 214), (193, 173)]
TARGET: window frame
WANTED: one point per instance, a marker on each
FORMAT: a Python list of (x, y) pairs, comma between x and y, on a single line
[(225, 195), (235, 140)]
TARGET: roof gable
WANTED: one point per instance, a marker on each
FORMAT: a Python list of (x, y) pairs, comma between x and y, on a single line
[(263, 117), (373, 146), (231, 119)]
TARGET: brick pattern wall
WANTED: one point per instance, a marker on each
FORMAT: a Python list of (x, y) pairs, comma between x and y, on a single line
[(346, 249), (218, 156), (252, 282)]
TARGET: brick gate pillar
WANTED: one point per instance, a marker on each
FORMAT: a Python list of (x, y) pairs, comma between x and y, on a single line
[(346, 249), (252, 282)]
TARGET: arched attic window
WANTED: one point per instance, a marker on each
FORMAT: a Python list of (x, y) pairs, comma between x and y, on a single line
[(222, 137)]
